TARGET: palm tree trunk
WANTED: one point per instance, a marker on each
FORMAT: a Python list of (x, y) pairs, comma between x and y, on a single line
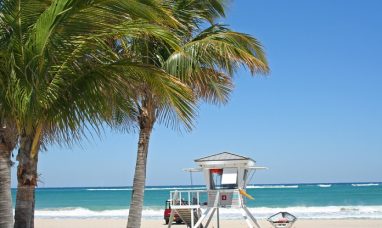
[(146, 122), (27, 181), (6, 212)]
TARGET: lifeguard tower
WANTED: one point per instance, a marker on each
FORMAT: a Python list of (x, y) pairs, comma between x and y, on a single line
[(226, 176)]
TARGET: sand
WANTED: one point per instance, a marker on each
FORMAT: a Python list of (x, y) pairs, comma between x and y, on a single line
[(121, 223)]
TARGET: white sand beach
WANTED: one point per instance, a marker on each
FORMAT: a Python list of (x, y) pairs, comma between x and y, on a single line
[(120, 223)]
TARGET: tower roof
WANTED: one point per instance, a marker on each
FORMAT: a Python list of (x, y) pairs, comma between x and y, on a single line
[(224, 156)]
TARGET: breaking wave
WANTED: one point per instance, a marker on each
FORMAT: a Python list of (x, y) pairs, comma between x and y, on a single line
[(146, 189), (329, 212), (324, 185), (365, 185), (108, 189), (272, 186)]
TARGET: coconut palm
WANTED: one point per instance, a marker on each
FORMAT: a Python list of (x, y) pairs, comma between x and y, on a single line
[(8, 139), (207, 61), (60, 75)]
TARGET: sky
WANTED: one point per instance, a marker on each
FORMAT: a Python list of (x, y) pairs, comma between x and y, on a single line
[(316, 118)]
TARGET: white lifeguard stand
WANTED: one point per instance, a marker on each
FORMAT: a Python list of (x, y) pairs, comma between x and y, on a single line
[(226, 175)]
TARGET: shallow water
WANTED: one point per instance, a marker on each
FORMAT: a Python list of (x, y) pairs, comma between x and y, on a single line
[(321, 200)]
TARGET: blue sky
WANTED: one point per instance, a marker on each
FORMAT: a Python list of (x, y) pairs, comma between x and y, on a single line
[(316, 118)]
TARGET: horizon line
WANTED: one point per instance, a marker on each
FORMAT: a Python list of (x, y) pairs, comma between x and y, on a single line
[(197, 185)]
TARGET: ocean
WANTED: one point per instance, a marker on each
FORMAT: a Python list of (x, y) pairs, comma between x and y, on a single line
[(321, 201)]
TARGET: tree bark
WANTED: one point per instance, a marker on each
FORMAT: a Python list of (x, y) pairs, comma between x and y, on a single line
[(6, 212), (27, 181), (146, 122)]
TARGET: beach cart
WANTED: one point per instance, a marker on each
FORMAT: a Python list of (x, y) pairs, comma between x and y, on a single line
[(282, 220)]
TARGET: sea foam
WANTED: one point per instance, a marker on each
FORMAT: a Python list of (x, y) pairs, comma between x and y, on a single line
[(329, 212), (324, 185), (146, 189), (108, 189), (272, 186), (365, 185)]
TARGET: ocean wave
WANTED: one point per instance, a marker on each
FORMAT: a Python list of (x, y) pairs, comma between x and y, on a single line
[(108, 189), (329, 212), (365, 185), (272, 186), (79, 213), (174, 188), (324, 185), (87, 213), (146, 189)]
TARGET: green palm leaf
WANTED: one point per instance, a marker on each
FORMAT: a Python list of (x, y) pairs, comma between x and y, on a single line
[(62, 77)]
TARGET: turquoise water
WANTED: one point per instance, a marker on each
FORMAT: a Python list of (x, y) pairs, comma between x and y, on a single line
[(350, 200)]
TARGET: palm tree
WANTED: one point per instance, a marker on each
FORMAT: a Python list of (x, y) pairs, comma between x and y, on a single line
[(60, 76), (8, 138), (206, 62)]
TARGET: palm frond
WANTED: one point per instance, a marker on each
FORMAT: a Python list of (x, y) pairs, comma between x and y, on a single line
[(61, 73), (221, 48)]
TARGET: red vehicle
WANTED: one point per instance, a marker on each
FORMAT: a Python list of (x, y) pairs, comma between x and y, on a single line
[(167, 212)]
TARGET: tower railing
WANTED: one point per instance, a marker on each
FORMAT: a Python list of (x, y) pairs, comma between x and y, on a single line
[(206, 198)]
